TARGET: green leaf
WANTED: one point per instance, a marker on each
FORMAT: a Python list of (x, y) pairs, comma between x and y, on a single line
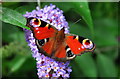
[(106, 31), (106, 67), (84, 64), (80, 30), (20, 49), (83, 9), (11, 33), (28, 69), (25, 8), (108, 51), (14, 56), (16, 63), (13, 17), (9, 4)]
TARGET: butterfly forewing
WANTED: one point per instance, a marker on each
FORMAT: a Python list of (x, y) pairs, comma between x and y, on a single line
[(42, 30)]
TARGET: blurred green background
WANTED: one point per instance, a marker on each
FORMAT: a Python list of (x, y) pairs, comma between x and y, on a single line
[(99, 22)]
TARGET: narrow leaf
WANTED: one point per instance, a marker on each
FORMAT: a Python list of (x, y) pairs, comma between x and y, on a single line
[(24, 9), (83, 9), (13, 17), (106, 66), (86, 64), (16, 63)]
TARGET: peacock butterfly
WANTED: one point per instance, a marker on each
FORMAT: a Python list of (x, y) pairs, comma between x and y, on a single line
[(56, 44)]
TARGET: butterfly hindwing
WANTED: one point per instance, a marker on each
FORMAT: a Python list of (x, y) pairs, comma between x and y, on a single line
[(60, 53), (63, 53), (79, 44), (45, 46), (75, 45)]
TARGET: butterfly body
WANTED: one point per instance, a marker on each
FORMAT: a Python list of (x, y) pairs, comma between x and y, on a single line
[(56, 44)]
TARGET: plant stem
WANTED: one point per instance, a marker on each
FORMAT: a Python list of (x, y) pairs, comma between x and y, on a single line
[(38, 2)]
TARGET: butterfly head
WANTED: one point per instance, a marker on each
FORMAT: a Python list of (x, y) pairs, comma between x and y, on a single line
[(88, 44)]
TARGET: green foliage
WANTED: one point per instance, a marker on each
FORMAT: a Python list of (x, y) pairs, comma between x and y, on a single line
[(109, 67), (16, 55), (20, 49), (26, 8), (12, 33), (84, 64), (13, 17), (83, 10), (109, 31)]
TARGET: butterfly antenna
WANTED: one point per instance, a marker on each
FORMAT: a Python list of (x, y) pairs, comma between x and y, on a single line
[(76, 21)]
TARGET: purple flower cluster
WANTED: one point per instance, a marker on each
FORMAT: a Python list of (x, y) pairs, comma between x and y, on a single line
[(46, 66), (50, 15)]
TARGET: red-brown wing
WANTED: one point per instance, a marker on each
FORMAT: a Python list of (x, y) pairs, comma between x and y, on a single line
[(75, 46), (48, 48), (78, 44), (41, 29), (60, 52), (45, 46), (44, 32), (71, 46)]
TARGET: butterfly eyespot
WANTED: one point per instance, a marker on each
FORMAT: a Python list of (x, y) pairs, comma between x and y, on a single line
[(87, 44), (42, 42), (35, 22), (69, 53)]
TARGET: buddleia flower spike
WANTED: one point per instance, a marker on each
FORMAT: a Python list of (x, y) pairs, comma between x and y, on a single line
[(46, 66)]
